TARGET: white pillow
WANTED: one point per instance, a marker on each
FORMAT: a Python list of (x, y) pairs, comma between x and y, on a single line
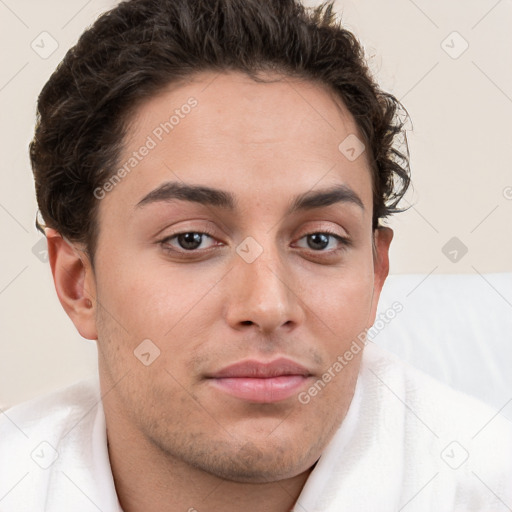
[(457, 328)]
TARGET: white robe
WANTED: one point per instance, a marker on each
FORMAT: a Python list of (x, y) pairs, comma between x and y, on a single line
[(408, 443)]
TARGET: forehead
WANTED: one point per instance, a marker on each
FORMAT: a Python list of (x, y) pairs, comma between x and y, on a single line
[(252, 138)]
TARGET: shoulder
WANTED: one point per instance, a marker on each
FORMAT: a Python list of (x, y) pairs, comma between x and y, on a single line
[(410, 442), (441, 404), (56, 410), (464, 442), (36, 435)]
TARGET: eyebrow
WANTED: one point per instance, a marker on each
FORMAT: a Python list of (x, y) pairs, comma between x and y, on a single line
[(171, 191)]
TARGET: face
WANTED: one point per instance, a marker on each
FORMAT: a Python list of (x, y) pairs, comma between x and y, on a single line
[(246, 286)]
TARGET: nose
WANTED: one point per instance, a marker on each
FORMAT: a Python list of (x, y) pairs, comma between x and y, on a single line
[(263, 294)]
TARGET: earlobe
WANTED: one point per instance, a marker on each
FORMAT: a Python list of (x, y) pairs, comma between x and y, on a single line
[(74, 283)]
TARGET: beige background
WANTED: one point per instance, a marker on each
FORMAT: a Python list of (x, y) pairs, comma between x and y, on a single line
[(461, 153)]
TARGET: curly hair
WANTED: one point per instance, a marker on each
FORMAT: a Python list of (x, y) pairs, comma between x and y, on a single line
[(139, 47)]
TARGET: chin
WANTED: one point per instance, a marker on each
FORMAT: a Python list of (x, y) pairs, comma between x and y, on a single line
[(242, 460), (254, 465)]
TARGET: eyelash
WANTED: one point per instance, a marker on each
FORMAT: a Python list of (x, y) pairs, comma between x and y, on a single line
[(345, 243)]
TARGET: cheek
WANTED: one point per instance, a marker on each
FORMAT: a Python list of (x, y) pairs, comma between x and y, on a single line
[(148, 298), (344, 302)]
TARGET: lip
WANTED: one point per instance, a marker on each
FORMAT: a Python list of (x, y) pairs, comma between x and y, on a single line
[(261, 370), (261, 382)]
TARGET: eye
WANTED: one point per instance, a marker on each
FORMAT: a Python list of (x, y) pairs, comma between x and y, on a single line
[(319, 241), (187, 241), (197, 241)]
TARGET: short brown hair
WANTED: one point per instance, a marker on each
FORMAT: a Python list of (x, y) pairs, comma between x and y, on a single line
[(141, 46)]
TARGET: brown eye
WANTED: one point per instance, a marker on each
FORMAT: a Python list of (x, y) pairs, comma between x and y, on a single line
[(319, 241), (189, 241), (186, 242)]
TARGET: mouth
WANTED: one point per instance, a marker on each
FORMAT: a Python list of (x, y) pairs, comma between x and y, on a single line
[(261, 382)]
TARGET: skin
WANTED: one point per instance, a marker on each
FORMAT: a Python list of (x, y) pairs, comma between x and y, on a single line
[(176, 442)]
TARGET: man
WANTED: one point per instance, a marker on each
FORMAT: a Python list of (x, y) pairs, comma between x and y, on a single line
[(213, 176)]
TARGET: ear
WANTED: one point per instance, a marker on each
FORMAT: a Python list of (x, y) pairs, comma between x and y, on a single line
[(382, 237), (74, 283)]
